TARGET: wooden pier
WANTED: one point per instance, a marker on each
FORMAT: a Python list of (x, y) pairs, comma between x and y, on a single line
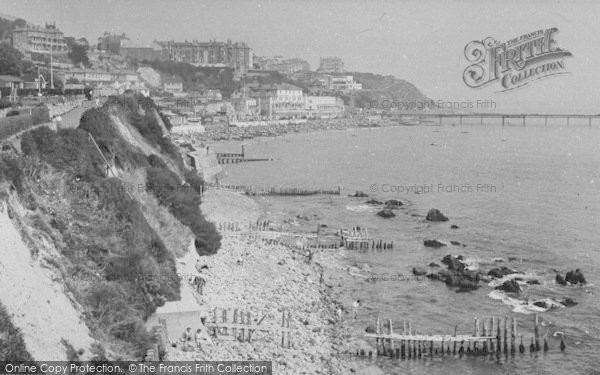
[(504, 119)]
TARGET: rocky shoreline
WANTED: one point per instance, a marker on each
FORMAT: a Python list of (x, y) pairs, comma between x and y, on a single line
[(223, 132), (267, 279)]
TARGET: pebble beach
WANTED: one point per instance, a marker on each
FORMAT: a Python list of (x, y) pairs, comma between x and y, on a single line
[(268, 279)]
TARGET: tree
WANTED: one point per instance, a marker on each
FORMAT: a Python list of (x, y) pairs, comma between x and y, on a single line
[(11, 61), (78, 55)]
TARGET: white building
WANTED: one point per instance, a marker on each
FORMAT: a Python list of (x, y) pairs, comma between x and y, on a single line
[(173, 85), (281, 101), (324, 106), (344, 83)]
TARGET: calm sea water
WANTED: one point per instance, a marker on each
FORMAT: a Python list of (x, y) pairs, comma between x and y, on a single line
[(538, 201)]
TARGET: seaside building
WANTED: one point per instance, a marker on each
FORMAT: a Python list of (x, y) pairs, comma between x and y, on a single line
[(37, 39), (324, 107), (245, 106), (343, 83), (331, 65), (104, 83), (286, 66), (173, 85), (140, 51), (280, 101), (237, 56), (111, 42)]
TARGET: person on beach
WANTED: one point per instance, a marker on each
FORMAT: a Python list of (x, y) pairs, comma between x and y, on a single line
[(355, 306), (199, 282), (202, 336), (187, 335), (339, 313)]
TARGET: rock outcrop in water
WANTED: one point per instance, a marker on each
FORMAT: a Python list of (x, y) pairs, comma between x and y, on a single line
[(457, 274), (433, 243), (435, 215), (374, 202), (510, 286), (393, 203), (500, 272), (575, 277), (387, 213), (572, 277), (359, 194), (419, 271)]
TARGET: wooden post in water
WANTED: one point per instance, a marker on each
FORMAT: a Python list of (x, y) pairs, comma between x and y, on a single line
[(391, 331), (505, 335), (498, 341), (513, 334), (454, 347), (536, 332), (476, 334), (485, 347), (403, 342), (491, 333), (378, 340)]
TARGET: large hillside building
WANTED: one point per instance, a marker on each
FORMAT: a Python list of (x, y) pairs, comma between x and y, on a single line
[(331, 65), (37, 39), (237, 56)]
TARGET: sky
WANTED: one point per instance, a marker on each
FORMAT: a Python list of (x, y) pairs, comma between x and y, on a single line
[(422, 42)]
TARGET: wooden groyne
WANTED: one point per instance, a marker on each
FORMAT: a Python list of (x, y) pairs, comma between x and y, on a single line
[(491, 336), (283, 191), (275, 191), (357, 238), (234, 158), (241, 327)]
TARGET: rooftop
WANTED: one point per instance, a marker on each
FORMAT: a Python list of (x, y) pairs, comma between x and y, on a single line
[(5, 78)]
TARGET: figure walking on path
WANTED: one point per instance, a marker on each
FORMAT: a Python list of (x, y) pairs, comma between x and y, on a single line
[(355, 306)]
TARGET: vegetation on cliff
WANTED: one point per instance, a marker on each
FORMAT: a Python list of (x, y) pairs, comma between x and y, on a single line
[(12, 346), (377, 88), (112, 261)]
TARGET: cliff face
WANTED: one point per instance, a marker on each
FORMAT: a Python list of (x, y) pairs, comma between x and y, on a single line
[(90, 248)]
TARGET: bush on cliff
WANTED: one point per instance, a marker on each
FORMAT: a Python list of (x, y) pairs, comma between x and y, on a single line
[(97, 122), (68, 149), (12, 346), (11, 172), (183, 202)]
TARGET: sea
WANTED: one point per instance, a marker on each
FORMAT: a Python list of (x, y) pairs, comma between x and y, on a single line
[(529, 194)]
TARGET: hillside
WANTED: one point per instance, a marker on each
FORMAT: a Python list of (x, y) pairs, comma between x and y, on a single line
[(90, 250), (377, 88)]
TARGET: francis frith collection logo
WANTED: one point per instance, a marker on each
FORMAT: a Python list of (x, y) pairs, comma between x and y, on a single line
[(514, 63)]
